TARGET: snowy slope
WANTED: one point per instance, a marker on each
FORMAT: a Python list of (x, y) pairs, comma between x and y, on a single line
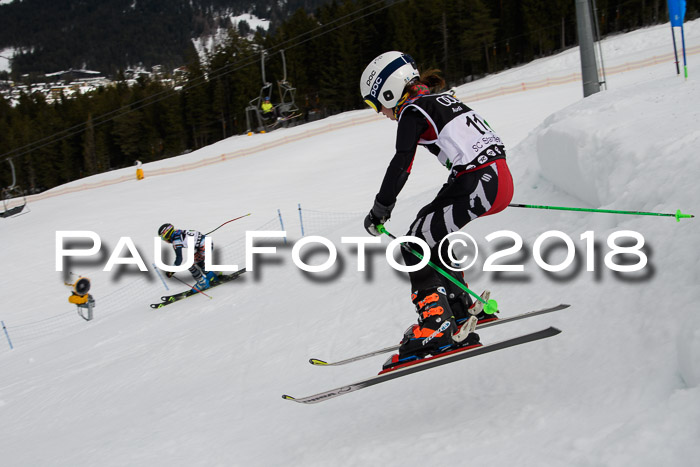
[(5, 57), (199, 382), (206, 44)]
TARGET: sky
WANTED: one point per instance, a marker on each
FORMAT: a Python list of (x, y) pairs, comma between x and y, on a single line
[(199, 382)]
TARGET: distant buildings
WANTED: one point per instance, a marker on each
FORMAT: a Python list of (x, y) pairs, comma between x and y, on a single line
[(71, 83)]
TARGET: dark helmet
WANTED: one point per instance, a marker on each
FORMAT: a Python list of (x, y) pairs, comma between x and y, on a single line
[(166, 232)]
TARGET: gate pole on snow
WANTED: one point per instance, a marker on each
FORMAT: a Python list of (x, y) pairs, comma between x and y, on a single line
[(301, 221), (7, 335), (279, 213)]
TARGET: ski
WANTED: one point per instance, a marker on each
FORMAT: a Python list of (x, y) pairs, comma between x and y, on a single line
[(168, 299), (424, 364), (482, 325), (290, 117), (280, 120)]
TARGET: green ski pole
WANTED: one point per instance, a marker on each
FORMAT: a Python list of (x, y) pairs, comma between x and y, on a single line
[(490, 307), (678, 214)]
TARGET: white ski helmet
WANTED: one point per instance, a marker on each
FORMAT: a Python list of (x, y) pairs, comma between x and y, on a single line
[(385, 78)]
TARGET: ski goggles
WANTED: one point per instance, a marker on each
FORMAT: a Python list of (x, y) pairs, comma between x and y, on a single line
[(374, 103), (168, 234)]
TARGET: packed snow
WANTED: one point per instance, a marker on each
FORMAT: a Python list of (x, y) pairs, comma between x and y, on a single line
[(253, 21), (207, 44), (6, 55), (199, 382)]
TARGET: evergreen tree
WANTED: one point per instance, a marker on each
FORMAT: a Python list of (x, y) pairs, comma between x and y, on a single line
[(89, 151), (127, 136), (197, 104), (325, 53)]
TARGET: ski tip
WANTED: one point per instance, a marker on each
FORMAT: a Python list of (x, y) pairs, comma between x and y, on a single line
[(288, 398), (315, 361), (553, 331)]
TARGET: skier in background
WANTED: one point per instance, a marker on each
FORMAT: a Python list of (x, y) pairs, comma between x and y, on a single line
[(268, 110), (178, 238), (479, 184)]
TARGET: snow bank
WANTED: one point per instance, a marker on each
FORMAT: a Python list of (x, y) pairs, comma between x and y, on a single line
[(589, 149), (638, 147)]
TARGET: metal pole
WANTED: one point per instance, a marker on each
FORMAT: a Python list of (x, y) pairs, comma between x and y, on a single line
[(600, 46), (14, 178), (262, 65), (279, 213), (301, 221), (675, 50), (160, 275), (7, 335), (284, 66), (589, 69)]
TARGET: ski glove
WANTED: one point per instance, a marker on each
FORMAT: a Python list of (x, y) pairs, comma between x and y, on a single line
[(379, 214)]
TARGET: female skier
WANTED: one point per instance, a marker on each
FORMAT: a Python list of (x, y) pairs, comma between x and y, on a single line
[(479, 184), (178, 238)]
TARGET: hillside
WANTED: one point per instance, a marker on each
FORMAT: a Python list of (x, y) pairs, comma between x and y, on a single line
[(199, 382), (52, 35)]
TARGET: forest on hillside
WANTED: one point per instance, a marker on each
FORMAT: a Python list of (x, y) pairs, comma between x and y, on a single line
[(109, 35), (325, 52)]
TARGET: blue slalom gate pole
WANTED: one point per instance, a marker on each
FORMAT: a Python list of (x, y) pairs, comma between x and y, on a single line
[(279, 213), (7, 335), (159, 275), (301, 221)]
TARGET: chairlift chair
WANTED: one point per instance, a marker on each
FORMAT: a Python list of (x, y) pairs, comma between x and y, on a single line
[(253, 112), (286, 109), (14, 199)]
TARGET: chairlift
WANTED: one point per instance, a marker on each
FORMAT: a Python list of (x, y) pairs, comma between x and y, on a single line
[(285, 110), (14, 200)]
